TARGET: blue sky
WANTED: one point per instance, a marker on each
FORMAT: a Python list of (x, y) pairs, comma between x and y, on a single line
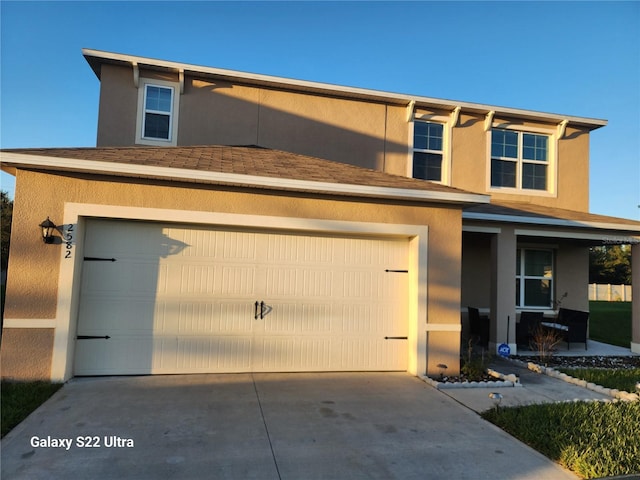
[(574, 58)]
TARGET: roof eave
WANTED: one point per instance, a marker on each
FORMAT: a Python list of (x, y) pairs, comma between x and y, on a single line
[(550, 222), (96, 58)]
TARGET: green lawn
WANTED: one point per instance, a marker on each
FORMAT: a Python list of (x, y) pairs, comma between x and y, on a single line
[(610, 322), (620, 379), (20, 399), (593, 439)]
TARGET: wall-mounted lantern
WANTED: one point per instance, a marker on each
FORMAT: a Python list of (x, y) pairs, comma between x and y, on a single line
[(48, 228)]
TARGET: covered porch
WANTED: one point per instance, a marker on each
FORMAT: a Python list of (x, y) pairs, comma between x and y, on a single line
[(519, 257)]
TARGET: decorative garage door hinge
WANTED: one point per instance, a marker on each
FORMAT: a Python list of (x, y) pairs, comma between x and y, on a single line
[(92, 337), (98, 259), (397, 271)]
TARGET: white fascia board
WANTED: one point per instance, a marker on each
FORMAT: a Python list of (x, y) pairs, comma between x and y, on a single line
[(199, 176), (605, 237), (551, 222), (396, 98)]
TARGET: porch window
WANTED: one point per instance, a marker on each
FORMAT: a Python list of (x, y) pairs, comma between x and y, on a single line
[(428, 147), (519, 160), (534, 278)]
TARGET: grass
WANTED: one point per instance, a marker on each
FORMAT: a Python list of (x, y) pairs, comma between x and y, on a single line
[(20, 399), (593, 439), (620, 379), (610, 322)]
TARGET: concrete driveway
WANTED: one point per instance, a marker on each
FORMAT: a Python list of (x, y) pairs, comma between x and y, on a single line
[(263, 426)]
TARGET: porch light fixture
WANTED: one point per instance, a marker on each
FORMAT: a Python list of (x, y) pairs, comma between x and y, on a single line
[(47, 230)]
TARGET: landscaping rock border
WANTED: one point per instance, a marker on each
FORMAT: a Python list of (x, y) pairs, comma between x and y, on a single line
[(503, 381), (552, 372)]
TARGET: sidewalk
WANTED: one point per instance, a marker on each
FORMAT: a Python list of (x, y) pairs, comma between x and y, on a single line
[(536, 388)]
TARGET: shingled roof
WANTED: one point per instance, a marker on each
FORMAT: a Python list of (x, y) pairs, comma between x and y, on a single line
[(234, 161), (515, 212)]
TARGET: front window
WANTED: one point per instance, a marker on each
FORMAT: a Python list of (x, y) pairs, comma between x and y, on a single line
[(158, 104), (427, 150), (519, 160), (534, 278)]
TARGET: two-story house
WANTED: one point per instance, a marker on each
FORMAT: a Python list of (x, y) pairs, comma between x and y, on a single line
[(234, 222)]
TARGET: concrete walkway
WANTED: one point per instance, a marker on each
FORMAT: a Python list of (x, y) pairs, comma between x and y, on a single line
[(536, 388), (265, 426)]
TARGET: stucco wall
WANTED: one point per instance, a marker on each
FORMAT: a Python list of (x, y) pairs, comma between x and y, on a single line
[(476, 270), (572, 276), (367, 134), (471, 161), (26, 353), (370, 135), (34, 266)]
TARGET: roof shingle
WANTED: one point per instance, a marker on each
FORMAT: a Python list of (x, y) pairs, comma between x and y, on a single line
[(243, 160)]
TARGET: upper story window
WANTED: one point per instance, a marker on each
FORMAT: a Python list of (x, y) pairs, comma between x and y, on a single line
[(157, 112), (157, 122), (428, 150), (519, 160)]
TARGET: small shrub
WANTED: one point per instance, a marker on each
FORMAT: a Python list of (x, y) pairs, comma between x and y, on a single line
[(544, 341), (474, 365)]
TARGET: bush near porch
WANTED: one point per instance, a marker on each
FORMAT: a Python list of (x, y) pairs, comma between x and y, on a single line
[(610, 322)]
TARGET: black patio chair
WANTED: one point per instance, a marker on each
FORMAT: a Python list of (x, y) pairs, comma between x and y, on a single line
[(577, 323), (525, 328), (478, 326)]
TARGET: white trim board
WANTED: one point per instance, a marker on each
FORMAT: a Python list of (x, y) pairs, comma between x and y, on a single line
[(548, 221), (444, 327), (29, 323)]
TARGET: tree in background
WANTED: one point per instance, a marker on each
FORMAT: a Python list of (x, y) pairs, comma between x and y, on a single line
[(6, 206), (610, 264)]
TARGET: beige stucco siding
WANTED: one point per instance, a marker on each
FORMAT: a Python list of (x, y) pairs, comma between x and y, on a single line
[(572, 276), (470, 159), (32, 289), (218, 113), (211, 112), (368, 134), (118, 108), (476, 270), (573, 171), (343, 130), (26, 353)]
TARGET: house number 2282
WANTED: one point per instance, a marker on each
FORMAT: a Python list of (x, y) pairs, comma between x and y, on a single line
[(68, 239)]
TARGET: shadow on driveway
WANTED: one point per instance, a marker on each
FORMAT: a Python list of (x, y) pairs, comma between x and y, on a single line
[(264, 426)]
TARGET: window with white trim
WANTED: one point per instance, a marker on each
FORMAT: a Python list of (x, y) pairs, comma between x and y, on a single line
[(534, 278), (428, 148), (519, 160), (158, 102), (157, 120)]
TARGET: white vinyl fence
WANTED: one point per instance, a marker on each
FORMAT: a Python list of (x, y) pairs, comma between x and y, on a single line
[(610, 293)]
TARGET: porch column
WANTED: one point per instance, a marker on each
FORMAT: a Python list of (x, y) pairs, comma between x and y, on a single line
[(503, 289), (635, 294)]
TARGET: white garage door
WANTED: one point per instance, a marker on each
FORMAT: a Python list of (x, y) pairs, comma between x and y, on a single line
[(176, 299)]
